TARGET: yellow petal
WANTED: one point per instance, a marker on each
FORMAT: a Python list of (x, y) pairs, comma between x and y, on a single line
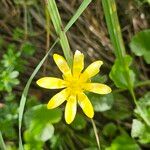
[(86, 105), (97, 88), (70, 109), (58, 99), (62, 65), (51, 83), (91, 70), (78, 63)]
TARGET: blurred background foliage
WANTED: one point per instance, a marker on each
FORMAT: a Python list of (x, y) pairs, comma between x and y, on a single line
[(26, 34)]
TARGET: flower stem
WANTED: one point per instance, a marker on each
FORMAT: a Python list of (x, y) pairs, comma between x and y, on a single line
[(96, 134), (140, 84)]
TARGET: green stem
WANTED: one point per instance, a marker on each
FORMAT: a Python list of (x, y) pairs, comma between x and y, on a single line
[(142, 83), (96, 134)]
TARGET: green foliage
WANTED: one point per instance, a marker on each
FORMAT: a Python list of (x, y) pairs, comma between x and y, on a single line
[(140, 45), (123, 142), (11, 65), (43, 128), (39, 131), (144, 105), (140, 2), (101, 103), (18, 33), (28, 49), (12, 59), (109, 129), (121, 108), (41, 112), (8, 79), (79, 123), (82, 7), (8, 120), (99, 79), (140, 131), (118, 73)]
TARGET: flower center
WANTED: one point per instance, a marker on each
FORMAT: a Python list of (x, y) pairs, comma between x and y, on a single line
[(75, 85)]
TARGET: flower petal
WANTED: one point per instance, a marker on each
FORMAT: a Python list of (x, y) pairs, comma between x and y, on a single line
[(62, 65), (51, 83), (58, 99), (91, 70), (86, 105), (78, 63), (97, 88), (70, 109)]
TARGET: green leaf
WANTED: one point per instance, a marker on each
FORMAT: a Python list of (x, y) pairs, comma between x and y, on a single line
[(12, 59), (38, 132), (14, 74), (141, 131), (101, 103), (8, 79), (79, 123), (137, 128), (40, 114), (144, 108), (118, 73), (38, 121), (47, 132), (140, 44), (121, 108), (109, 129), (99, 79), (123, 142)]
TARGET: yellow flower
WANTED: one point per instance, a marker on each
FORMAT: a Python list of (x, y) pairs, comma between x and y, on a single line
[(74, 83)]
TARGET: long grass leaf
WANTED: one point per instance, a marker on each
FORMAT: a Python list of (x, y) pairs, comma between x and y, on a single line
[(56, 20), (78, 13), (25, 92), (2, 144), (109, 7)]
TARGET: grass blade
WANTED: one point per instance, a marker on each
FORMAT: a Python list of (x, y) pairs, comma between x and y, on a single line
[(55, 17), (2, 144), (109, 7), (25, 91), (77, 14)]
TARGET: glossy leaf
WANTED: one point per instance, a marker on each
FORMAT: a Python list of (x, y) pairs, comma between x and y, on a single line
[(40, 112), (144, 108), (119, 73), (101, 103), (140, 131), (140, 44)]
